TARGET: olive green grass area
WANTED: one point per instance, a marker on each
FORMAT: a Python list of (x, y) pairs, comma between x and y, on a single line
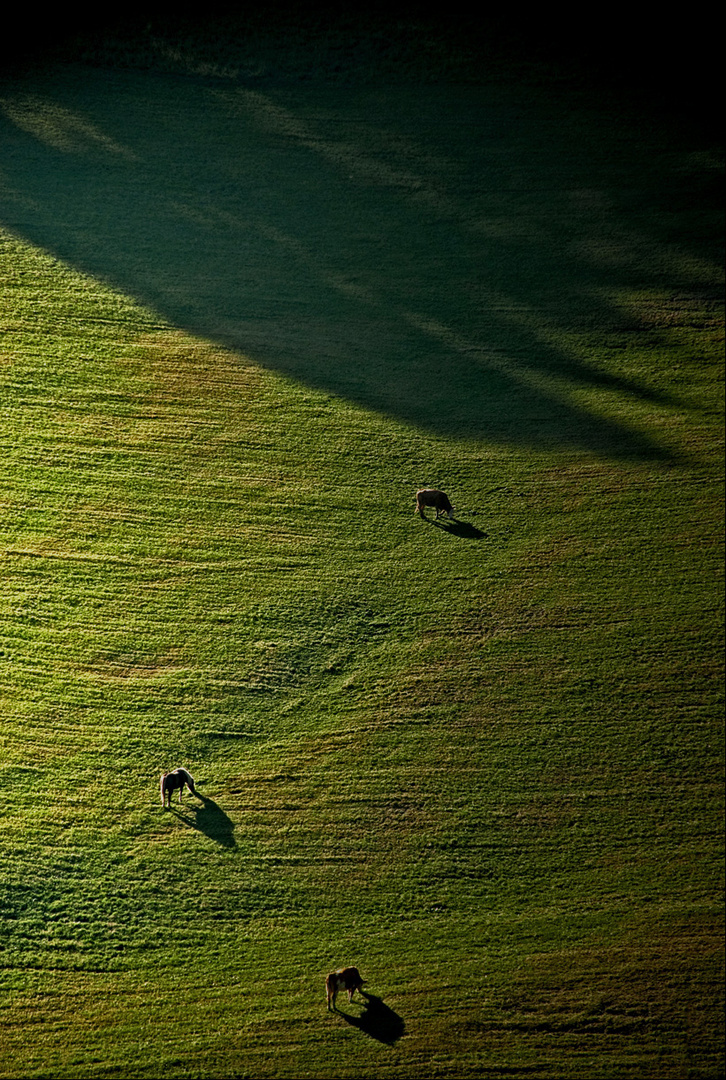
[(481, 759)]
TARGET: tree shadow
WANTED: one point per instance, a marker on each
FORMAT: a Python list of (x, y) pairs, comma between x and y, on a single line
[(363, 245), (377, 1020), (210, 819)]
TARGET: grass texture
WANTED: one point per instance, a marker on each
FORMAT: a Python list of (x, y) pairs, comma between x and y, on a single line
[(481, 759)]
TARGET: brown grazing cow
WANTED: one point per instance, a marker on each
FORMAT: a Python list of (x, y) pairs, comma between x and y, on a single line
[(344, 979), (171, 781), (433, 497)]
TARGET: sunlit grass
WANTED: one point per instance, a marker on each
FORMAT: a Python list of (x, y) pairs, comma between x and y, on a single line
[(480, 759)]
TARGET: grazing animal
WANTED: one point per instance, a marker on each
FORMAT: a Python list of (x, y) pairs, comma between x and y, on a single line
[(344, 979), (170, 781), (433, 497)]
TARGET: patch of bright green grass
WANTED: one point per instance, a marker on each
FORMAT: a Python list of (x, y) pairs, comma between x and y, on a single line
[(481, 759)]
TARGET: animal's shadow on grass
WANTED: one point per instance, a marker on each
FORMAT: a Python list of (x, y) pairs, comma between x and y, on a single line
[(210, 819), (377, 1020), (463, 529)]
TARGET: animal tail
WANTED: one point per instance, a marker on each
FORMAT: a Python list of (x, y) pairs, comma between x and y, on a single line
[(161, 787)]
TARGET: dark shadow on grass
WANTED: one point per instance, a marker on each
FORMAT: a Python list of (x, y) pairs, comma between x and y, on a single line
[(377, 1020), (463, 529), (407, 251), (210, 819)]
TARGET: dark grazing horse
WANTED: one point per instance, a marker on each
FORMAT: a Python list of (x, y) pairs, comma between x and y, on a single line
[(170, 781)]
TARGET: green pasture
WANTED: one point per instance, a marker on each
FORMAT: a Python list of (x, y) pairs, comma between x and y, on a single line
[(243, 318)]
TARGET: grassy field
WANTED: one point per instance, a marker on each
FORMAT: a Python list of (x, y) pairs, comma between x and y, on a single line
[(246, 311)]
